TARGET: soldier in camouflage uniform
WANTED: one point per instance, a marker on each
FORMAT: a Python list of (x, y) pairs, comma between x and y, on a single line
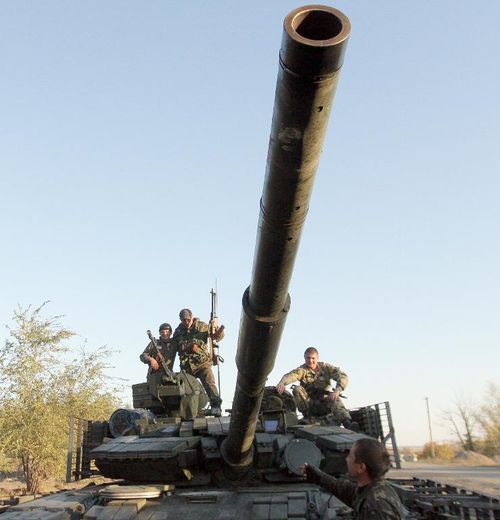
[(190, 341), (167, 350), (315, 396), (371, 497)]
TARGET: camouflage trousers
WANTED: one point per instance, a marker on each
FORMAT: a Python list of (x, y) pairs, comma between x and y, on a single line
[(206, 376), (319, 407)]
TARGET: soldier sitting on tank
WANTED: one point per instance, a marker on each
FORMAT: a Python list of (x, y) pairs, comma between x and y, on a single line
[(190, 341), (315, 397), (167, 350), (371, 497)]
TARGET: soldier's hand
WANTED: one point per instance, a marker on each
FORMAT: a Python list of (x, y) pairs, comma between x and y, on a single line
[(280, 388), (218, 332), (153, 364), (312, 473), (195, 348), (333, 396)]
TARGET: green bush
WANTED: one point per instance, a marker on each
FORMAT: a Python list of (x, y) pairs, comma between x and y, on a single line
[(442, 451), (39, 390)]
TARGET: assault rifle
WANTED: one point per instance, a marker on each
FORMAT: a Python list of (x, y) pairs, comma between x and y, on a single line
[(214, 348), (170, 376)]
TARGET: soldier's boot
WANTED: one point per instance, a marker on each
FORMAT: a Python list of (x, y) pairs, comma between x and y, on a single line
[(330, 420), (351, 425), (339, 411), (215, 407), (215, 411)]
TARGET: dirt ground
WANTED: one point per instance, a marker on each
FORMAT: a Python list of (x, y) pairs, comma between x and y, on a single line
[(15, 486)]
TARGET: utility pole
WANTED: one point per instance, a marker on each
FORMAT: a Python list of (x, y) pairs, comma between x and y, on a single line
[(433, 454)]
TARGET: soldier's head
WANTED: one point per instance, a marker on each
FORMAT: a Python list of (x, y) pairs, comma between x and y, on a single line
[(368, 459), (311, 357), (186, 317), (165, 330)]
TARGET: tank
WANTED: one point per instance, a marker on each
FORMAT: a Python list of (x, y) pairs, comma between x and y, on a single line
[(261, 440), (172, 461)]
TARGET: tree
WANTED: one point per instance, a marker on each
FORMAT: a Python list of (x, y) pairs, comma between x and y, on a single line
[(39, 389), (461, 418), (489, 419)]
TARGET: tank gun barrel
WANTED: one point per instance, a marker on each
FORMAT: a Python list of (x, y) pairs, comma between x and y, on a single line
[(311, 56)]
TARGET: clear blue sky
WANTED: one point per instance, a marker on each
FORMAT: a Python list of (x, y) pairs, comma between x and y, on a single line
[(133, 141)]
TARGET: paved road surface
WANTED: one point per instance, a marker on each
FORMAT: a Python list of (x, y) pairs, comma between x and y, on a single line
[(484, 479)]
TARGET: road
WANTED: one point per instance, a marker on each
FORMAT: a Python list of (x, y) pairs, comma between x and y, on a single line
[(483, 479)]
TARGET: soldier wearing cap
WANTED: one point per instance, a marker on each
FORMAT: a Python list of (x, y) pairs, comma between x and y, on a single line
[(370, 496), (167, 350), (190, 342), (315, 396)]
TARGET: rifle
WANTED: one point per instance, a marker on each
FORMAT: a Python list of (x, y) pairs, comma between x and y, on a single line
[(170, 376), (214, 348)]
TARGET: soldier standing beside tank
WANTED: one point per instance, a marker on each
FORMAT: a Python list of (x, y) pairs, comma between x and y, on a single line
[(190, 341), (167, 350), (371, 497), (315, 396)]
